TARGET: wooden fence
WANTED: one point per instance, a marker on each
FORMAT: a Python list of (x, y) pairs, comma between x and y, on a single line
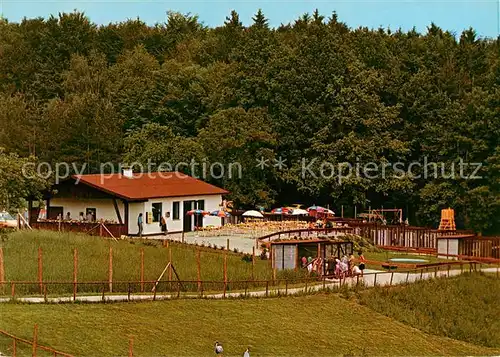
[(484, 247), (92, 228), (34, 346), (96, 291), (379, 234)]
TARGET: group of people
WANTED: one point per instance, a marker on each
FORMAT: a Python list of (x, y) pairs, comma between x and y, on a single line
[(338, 268), (162, 222), (324, 223), (89, 217)]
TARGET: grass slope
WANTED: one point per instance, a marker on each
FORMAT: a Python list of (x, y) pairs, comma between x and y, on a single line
[(318, 325), (21, 259), (465, 308), (21, 252)]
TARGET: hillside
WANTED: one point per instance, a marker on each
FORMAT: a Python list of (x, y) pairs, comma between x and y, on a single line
[(320, 325)]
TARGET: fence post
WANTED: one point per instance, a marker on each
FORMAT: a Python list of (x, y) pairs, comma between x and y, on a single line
[(392, 276), (198, 268), (128, 295), (324, 283), (75, 272), (170, 267), (13, 290), (35, 339), (227, 245), (45, 292), (131, 347), (225, 267), (448, 271), (407, 276), (142, 270), (103, 290), (2, 269), (110, 279), (286, 287), (40, 270), (267, 288), (375, 280), (253, 263), (421, 273), (246, 287)]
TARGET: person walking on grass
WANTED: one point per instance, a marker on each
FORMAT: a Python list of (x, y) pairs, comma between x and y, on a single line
[(218, 349), (247, 352), (140, 224)]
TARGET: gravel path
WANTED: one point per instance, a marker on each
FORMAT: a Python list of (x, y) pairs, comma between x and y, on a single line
[(369, 280)]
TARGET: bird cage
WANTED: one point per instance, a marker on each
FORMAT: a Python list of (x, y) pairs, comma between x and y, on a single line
[(447, 220)]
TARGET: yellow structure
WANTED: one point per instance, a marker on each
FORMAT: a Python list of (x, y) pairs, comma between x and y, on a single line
[(447, 220)]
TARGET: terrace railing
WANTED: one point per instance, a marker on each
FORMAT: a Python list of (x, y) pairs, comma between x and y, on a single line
[(379, 234), (114, 230)]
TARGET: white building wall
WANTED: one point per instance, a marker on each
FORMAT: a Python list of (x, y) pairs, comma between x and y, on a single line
[(212, 203), (104, 207), (106, 210)]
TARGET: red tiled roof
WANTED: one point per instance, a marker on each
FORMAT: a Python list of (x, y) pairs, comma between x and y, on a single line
[(150, 185)]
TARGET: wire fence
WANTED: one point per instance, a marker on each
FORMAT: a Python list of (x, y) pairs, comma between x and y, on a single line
[(103, 291)]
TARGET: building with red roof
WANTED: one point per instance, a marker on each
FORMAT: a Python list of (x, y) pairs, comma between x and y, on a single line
[(118, 199)]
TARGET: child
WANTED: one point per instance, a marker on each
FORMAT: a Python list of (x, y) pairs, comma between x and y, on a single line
[(362, 261)]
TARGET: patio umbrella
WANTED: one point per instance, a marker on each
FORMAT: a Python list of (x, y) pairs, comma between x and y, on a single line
[(299, 212), (318, 209), (197, 212), (281, 210), (253, 213), (220, 213)]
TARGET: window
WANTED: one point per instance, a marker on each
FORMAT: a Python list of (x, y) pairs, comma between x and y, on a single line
[(175, 209), (54, 212), (156, 212)]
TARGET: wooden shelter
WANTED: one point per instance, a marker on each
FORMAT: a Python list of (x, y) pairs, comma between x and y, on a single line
[(287, 254)]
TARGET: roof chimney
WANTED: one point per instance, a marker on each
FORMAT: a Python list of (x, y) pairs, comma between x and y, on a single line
[(127, 172)]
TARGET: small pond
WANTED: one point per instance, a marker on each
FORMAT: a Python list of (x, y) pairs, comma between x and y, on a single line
[(408, 260)]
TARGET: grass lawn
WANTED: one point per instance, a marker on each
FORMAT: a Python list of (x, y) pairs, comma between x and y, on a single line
[(464, 308), (21, 259), (317, 325)]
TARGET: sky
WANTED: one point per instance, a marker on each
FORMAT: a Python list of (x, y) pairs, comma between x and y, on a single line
[(455, 16)]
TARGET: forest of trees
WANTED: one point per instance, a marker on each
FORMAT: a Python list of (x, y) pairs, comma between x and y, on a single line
[(73, 91)]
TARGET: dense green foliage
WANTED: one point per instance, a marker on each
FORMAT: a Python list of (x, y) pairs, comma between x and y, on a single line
[(74, 91), (19, 179), (466, 307)]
